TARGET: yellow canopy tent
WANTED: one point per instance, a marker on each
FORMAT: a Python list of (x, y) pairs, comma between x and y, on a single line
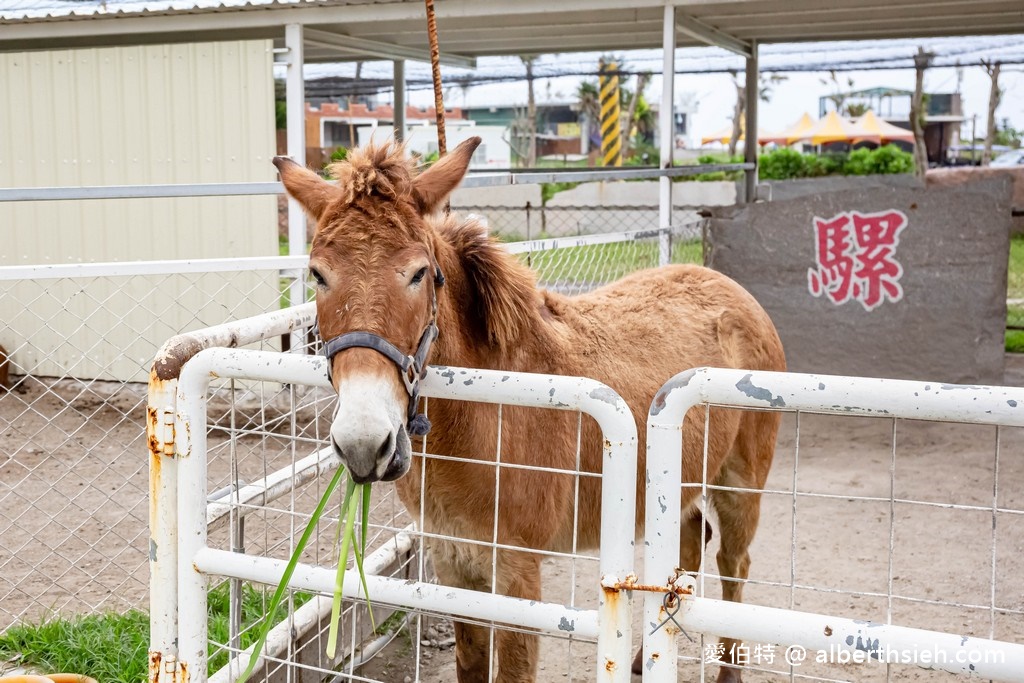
[(792, 134), (724, 135), (834, 128), (883, 130)]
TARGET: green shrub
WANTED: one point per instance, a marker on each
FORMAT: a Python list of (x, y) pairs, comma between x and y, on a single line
[(549, 190), (782, 164), (832, 163), (785, 163), (892, 159), (859, 162)]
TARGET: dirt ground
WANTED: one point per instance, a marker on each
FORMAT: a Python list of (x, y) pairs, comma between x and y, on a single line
[(96, 555)]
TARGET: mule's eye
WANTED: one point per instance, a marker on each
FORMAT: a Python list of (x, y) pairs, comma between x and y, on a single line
[(317, 277), (418, 277)]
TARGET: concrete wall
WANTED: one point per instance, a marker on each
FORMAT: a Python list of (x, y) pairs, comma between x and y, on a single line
[(938, 309)]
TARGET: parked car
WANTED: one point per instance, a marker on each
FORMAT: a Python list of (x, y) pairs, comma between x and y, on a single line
[(1009, 159)]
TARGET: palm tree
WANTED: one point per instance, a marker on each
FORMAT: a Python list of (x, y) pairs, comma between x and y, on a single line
[(588, 104), (633, 99)]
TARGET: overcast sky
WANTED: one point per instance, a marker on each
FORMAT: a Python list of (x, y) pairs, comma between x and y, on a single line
[(715, 94)]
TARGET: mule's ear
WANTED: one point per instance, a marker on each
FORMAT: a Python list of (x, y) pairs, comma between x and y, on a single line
[(432, 186), (306, 187)]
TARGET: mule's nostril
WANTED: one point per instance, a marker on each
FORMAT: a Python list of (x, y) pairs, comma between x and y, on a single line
[(387, 447)]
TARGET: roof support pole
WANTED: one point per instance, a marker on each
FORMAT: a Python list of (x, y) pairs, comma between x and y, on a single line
[(667, 130), (295, 106), (399, 77), (750, 144)]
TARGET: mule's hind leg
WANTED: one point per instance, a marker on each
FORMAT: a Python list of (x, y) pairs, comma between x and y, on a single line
[(519, 576), (738, 514)]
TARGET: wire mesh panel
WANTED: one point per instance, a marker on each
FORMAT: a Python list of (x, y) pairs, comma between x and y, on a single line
[(891, 509), (73, 489), (541, 222), (274, 491)]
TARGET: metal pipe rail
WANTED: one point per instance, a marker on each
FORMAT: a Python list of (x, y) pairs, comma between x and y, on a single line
[(815, 394), (483, 179), (194, 560)]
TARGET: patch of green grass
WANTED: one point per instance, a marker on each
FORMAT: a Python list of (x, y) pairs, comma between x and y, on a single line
[(601, 263), (1015, 341), (114, 648), (1015, 277), (1015, 296), (111, 648)]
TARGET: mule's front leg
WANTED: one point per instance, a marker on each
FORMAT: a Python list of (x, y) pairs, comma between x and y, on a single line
[(519, 577)]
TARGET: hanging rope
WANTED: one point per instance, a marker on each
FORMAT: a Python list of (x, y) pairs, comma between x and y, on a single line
[(435, 67)]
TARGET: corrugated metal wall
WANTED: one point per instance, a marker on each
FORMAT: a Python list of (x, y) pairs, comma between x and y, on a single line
[(184, 113)]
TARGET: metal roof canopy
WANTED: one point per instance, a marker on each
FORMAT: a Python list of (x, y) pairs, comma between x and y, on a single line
[(395, 29)]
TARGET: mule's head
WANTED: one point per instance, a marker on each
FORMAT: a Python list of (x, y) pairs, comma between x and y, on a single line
[(376, 274)]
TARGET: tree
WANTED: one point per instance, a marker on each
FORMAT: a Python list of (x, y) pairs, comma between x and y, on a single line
[(765, 86), (1007, 135), (531, 114), (634, 99), (588, 103), (995, 95), (837, 97), (917, 113), (856, 109)]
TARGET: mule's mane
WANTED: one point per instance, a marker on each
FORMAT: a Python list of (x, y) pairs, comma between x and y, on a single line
[(381, 171)]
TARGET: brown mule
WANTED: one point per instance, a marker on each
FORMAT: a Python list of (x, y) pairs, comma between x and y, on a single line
[(379, 255)]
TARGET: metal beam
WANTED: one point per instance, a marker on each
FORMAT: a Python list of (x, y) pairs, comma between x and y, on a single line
[(695, 28), (667, 129), (750, 144), (350, 45), (295, 108), (399, 104)]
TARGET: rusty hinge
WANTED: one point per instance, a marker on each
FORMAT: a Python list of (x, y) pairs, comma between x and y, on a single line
[(165, 426), (163, 668)]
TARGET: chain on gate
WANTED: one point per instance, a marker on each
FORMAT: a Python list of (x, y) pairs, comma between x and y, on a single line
[(679, 584)]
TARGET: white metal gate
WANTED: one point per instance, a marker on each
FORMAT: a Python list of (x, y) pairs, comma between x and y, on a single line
[(842, 639), (184, 560)]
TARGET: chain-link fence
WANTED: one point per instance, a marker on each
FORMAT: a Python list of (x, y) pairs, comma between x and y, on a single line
[(541, 222), (73, 468), (79, 342)]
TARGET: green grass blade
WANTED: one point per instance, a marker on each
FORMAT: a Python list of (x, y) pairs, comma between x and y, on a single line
[(349, 509), (361, 552), (366, 515), (275, 601)]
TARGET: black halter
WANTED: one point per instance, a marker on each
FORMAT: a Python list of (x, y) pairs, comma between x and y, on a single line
[(412, 368)]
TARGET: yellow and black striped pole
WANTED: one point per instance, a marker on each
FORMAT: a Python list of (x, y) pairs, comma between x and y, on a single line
[(611, 133)]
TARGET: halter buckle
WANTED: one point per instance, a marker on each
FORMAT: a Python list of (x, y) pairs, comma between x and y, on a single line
[(411, 375)]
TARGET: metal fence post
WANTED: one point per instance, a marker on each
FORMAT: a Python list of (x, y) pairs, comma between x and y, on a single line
[(667, 126), (296, 120)]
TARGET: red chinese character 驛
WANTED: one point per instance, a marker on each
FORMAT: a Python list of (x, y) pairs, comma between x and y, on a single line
[(878, 272), (856, 258), (833, 251)]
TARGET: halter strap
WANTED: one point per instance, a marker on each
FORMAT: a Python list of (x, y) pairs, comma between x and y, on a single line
[(412, 368)]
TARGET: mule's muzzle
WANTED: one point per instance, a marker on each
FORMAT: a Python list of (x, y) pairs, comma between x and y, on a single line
[(388, 461)]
